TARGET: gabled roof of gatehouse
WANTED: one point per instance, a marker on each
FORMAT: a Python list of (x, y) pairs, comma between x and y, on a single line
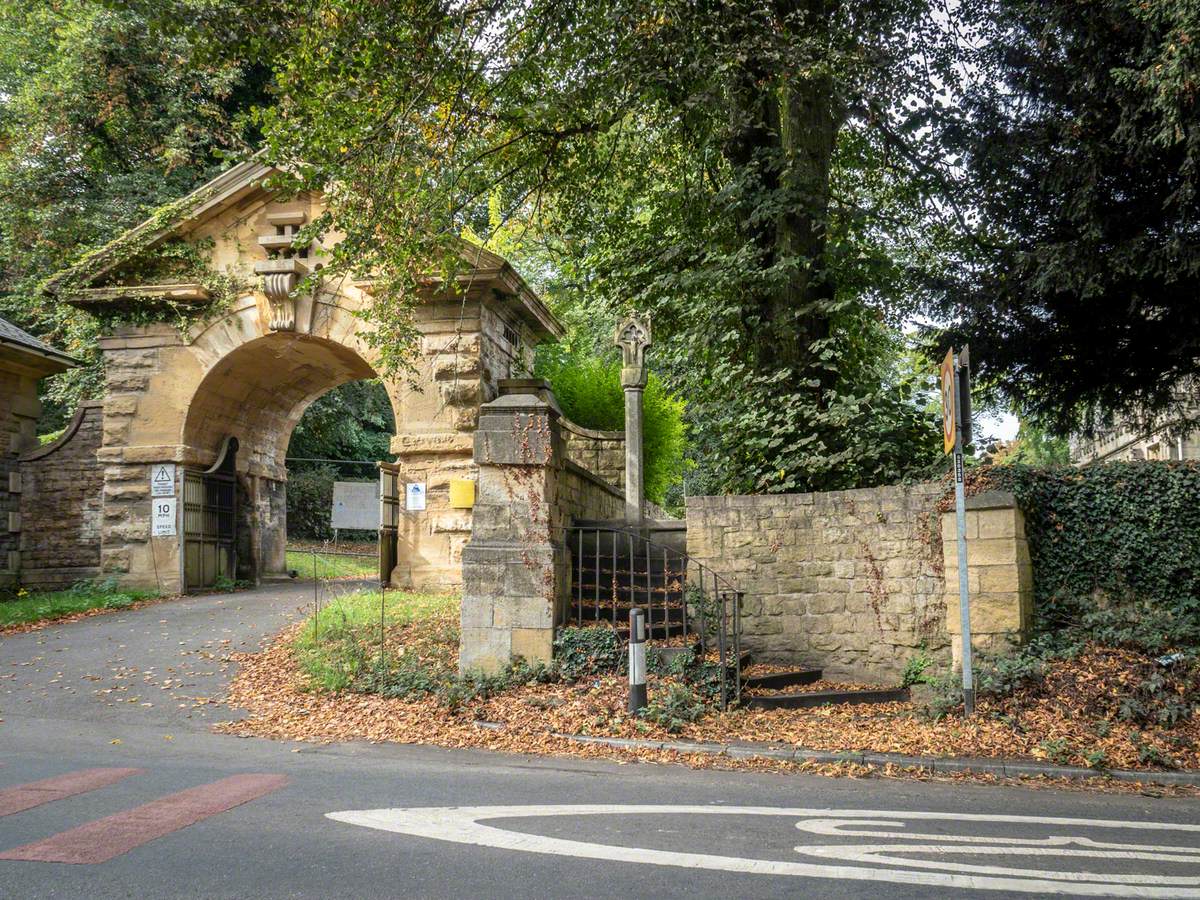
[(234, 186), (41, 355)]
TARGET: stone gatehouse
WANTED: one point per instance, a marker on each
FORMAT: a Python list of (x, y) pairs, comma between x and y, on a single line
[(23, 361), (212, 405)]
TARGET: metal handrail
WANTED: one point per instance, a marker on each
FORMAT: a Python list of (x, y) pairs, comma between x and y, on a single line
[(726, 621)]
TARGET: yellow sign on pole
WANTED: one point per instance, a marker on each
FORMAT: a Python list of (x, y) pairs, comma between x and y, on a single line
[(948, 378)]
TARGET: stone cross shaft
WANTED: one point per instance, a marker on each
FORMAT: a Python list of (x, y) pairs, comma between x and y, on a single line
[(633, 337)]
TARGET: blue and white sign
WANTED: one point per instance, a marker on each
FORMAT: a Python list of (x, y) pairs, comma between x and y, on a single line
[(414, 496)]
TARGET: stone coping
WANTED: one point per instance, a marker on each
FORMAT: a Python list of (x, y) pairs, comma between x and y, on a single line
[(1008, 768), (866, 495), (991, 500), (593, 433), (540, 387)]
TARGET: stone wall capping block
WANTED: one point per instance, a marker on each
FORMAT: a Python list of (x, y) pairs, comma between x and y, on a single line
[(509, 402), (992, 500)]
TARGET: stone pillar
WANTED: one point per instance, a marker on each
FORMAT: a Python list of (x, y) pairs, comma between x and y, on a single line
[(999, 575), (515, 566), (633, 337)]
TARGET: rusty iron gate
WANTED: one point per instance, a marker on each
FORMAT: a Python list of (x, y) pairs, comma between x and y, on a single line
[(210, 521)]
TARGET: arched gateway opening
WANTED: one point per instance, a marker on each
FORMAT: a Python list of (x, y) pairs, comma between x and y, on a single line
[(255, 395)]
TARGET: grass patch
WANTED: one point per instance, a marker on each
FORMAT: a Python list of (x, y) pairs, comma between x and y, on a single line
[(330, 566), (27, 608), (342, 645)]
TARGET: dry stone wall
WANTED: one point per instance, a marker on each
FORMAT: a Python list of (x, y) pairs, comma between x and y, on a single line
[(61, 510), (849, 581)]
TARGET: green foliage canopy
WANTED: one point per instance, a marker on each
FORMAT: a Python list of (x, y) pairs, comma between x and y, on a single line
[(102, 119), (589, 391), (725, 168), (1079, 148)]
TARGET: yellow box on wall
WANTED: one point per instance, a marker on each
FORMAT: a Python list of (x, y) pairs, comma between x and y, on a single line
[(462, 493)]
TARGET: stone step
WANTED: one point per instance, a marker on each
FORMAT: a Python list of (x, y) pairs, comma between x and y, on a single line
[(776, 680), (803, 700)]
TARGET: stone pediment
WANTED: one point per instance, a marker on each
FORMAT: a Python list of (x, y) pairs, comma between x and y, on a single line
[(246, 233)]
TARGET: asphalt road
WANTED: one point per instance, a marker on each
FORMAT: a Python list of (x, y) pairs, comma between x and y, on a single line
[(145, 802)]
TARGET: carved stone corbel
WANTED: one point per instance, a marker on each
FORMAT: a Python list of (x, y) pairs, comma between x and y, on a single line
[(279, 280)]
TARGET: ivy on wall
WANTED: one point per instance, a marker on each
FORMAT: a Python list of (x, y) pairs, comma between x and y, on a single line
[(1115, 549), (172, 261)]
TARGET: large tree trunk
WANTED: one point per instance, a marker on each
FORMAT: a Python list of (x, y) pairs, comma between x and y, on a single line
[(784, 130)]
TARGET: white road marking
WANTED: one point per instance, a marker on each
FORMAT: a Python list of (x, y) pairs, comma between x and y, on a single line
[(463, 825)]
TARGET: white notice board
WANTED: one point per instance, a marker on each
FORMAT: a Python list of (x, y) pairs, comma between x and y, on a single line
[(414, 496), (355, 505), (162, 517)]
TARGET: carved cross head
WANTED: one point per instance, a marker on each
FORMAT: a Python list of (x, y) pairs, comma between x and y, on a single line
[(633, 337)]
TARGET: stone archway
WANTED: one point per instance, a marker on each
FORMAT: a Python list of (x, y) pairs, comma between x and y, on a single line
[(250, 370)]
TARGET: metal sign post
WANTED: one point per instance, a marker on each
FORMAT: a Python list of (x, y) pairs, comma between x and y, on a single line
[(956, 426)]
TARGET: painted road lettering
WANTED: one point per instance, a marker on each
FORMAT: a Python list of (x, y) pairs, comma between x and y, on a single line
[(895, 853)]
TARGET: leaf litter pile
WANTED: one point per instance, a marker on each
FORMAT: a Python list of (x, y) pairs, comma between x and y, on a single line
[(1078, 713)]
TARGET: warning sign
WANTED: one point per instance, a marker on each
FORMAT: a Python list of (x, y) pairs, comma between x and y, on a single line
[(162, 480)]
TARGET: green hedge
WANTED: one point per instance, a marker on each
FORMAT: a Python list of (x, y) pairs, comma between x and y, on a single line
[(1115, 549), (589, 391)]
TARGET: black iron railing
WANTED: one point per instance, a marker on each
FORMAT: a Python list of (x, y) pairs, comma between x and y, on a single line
[(687, 604)]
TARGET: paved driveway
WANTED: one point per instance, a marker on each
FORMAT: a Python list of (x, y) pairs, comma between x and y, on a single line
[(112, 786), (164, 664)]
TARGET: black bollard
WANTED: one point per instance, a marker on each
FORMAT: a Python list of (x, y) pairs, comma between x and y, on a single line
[(637, 660)]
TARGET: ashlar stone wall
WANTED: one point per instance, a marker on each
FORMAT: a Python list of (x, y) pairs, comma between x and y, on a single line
[(599, 452), (583, 494), (849, 581), (999, 574), (516, 567), (61, 504)]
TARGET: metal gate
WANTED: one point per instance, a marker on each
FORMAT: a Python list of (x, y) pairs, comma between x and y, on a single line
[(389, 519), (210, 521)]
